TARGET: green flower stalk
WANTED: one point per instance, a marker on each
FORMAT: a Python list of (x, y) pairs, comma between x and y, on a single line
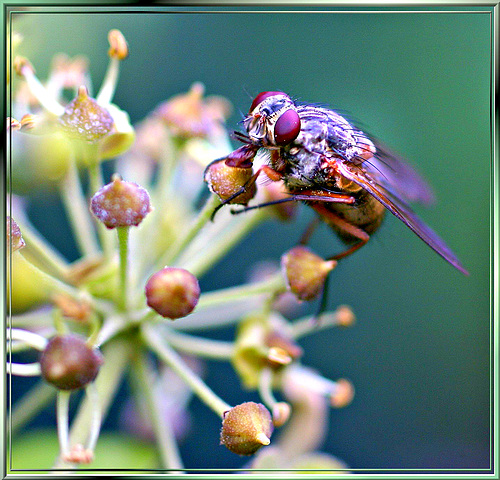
[(132, 301)]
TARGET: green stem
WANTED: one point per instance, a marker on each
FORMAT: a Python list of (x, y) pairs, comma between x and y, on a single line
[(175, 362), (96, 182), (42, 252), (77, 209), (30, 404), (116, 356), (307, 325), (24, 369), (32, 319), (167, 163), (202, 347), (159, 198), (123, 235), (269, 286), (29, 338), (222, 244), (266, 389), (108, 87), (95, 428), (165, 439), (54, 285), (63, 421), (199, 222)]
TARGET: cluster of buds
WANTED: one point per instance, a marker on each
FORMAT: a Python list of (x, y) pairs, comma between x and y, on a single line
[(121, 299)]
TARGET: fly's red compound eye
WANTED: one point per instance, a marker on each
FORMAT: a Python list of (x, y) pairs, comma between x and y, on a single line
[(287, 128), (262, 96)]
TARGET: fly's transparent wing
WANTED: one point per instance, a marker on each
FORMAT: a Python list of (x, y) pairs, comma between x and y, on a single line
[(398, 207), (397, 177)]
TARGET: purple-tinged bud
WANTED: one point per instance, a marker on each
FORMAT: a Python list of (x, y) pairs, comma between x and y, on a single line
[(14, 237), (120, 203), (305, 272), (172, 292), (85, 119), (69, 363), (246, 428)]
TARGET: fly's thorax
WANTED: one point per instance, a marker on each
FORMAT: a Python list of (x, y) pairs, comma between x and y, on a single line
[(301, 169)]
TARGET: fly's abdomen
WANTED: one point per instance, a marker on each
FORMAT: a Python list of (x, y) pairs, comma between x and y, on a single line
[(367, 214)]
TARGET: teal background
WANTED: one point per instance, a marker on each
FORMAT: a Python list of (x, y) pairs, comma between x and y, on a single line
[(419, 354)]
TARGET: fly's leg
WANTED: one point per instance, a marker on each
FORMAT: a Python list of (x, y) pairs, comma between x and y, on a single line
[(346, 227), (305, 195), (306, 236), (236, 194), (323, 302)]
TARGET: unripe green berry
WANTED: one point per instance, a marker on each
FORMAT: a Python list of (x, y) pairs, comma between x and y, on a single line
[(225, 181), (305, 272), (85, 119), (120, 203), (69, 363), (246, 428), (172, 292)]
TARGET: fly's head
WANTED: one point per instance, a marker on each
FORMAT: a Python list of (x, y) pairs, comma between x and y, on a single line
[(273, 121)]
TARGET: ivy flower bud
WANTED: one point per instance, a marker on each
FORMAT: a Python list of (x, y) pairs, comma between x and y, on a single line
[(305, 272), (120, 203), (118, 47), (85, 119), (190, 115), (342, 394), (69, 363), (172, 292), (14, 237), (225, 181), (246, 428), (281, 413), (21, 64), (78, 310)]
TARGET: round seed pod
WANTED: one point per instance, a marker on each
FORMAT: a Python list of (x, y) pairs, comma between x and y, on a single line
[(172, 292), (69, 363)]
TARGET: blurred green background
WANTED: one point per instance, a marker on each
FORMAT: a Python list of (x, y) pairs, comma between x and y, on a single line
[(419, 354)]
